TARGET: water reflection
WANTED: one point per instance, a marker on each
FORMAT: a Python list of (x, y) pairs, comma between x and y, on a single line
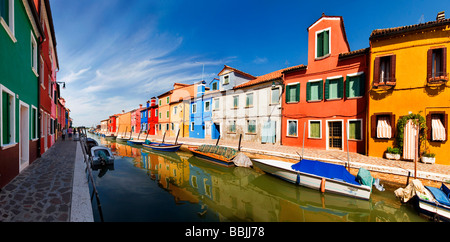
[(200, 191)]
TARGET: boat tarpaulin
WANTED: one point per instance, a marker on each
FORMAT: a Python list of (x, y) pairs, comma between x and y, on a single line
[(326, 170)]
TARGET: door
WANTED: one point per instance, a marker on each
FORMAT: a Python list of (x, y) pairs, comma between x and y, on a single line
[(215, 134), (24, 134), (335, 134), (208, 129)]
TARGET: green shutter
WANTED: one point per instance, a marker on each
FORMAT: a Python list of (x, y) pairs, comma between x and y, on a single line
[(327, 89), (308, 91), (347, 86), (321, 90), (297, 94), (4, 10), (6, 118), (362, 82), (326, 41), (287, 94), (320, 45), (341, 87)]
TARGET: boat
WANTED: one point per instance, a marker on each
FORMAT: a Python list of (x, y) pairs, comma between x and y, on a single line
[(135, 142), (101, 156), (216, 154), (162, 146), (89, 144), (318, 175), (122, 139), (110, 137)]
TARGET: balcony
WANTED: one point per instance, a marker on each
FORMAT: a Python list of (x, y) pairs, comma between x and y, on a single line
[(437, 79), (385, 83)]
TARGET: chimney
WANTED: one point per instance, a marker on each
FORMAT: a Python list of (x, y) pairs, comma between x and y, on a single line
[(140, 105), (153, 101), (440, 16)]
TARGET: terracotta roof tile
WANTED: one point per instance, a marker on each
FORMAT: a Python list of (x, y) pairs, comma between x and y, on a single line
[(353, 53), (378, 33), (267, 77)]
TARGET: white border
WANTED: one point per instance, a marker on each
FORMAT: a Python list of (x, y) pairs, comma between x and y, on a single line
[(36, 124), (287, 127), (329, 43), (10, 29), (327, 141), (348, 128), (309, 128), (24, 141), (13, 117)]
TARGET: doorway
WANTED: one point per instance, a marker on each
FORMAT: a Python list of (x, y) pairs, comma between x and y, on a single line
[(335, 135), (24, 134)]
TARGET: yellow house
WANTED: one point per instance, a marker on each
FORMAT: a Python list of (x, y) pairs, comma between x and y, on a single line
[(180, 107), (409, 77), (123, 125)]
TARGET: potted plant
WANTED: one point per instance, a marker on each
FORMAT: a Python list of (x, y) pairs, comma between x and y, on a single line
[(428, 158), (393, 153)]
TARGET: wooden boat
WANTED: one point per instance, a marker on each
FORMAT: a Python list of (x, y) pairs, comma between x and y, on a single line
[(437, 207), (101, 156), (137, 141), (110, 137), (322, 176), (162, 146), (216, 154)]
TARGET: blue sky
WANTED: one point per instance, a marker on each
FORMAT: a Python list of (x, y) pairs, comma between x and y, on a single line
[(117, 54)]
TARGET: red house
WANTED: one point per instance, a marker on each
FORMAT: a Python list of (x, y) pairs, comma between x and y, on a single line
[(112, 124), (327, 98), (153, 117)]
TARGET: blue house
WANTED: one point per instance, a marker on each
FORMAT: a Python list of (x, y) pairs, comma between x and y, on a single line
[(199, 106), (144, 118)]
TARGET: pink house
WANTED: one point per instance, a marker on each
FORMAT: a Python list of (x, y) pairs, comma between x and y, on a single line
[(136, 121)]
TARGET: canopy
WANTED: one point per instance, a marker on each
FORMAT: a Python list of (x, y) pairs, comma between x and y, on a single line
[(384, 129), (437, 129), (326, 170)]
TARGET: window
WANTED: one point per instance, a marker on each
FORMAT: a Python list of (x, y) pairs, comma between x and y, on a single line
[(382, 125), (275, 95), (41, 67), (355, 85), (314, 90), (292, 128), (214, 86), (292, 93), (34, 122), (437, 65), (437, 126), (194, 108), (235, 101), (216, 104), (160, 115), (232, 126), (355, 129), (156, 112), (384, 70), (7, 116), (167, 114), (251, 126), (207, 106), (167, 100), (334, 88), (174, 110), (7, 17), (160, 102), (249, 100), (34, 57), (173, 126), (192, 126), (323, 43), (226, 79), (315, 127), (167, 126), (159, 127)]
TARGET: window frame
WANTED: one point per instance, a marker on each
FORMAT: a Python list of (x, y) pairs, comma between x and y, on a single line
[(226, 80), (391, 81), (248, 104), (433, 78), (362, 84), (288, 92), (10, 26), (309, 128), (374, 124), (194, 108), (279, 95), (320, 89), (34, 55), (231, 123), (316, 44), (34, 136), (445, 123), (216, 101), (287, 125), (209, 107), (361, 129), (340, 88), (237, 103), (12, 119), (248, 126)]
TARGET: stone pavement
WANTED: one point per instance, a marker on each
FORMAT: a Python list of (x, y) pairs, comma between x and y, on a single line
[(48, 190)]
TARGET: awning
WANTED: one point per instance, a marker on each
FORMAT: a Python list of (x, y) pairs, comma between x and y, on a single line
[(384, 129), (437, 129), (409, 140)]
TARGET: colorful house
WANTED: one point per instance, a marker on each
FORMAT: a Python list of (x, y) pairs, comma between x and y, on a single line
[(135, 116), (179, 108), (153, 117), (112, 124), (164, 112), (409, 77), (144, 118), (123, 122), (200, 115), (20, 36), (325, 102)]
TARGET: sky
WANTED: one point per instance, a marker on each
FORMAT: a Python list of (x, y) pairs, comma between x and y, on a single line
[(116, 54)]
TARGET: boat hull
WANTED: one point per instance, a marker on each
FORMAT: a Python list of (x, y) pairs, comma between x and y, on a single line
[(162, 147), (135, 142), (284, 171), (211, 158), (96, 160)]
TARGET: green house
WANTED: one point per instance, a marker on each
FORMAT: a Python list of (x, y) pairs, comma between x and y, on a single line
[(20, 35)]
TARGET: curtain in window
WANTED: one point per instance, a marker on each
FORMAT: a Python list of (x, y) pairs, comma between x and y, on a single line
[(292, 129), (384, 129), (437, 129), (268, 132)]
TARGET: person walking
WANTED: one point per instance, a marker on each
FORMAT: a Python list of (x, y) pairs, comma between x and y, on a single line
[(70, 132), (64, 131)]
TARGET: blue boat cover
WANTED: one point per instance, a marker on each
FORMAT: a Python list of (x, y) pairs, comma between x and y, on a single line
[(439, 195), (327, 170)]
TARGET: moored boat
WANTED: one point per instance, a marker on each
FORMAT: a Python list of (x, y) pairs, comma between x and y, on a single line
[(318, 175), (135, 142), (216, 154), (102, 156), (162, 146)]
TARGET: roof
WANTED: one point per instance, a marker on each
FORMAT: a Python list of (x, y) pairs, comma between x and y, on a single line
[(237, 71), (355, 53), (268, 77), (341, 19), (380, 33)]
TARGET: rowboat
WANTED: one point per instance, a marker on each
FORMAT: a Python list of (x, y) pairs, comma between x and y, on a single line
[(122, 139), (135, 142), (219, 155), (162, 146), (110, 137), (437, 206), (318, 175), (102, 156)]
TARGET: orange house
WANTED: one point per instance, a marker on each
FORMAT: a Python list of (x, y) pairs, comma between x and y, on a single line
[(325, 101)]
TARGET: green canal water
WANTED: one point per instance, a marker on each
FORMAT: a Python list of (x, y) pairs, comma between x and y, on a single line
[(149, 186)]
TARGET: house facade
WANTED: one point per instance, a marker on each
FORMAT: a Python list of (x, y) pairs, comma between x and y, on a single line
[(164, 112), (20, 36), (135, 116), (123, 124), (179, 108), (112, 124), (410, 80), (200, 114), (144, 118), (324, 103), (153, 116)]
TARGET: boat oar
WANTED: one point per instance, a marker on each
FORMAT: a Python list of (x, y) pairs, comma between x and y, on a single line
[(239, 145), (164, 136), (176, 139)]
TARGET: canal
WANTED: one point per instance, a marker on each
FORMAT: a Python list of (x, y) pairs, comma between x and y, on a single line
[(149, 186)]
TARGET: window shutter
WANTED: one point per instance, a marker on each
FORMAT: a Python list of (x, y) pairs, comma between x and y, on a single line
[(373, 126), (341, 87), (327, 89), (428, 121), (347, 86), (362, 85), (326, 42), (444, 60), (446, 126), (429, 63), (320, 45), (321, 90), (376, 71), (393, 124), (288, 90), (393, 60), (308, 91), (297, 95)]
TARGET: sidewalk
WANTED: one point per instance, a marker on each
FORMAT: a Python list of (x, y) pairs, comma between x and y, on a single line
[(52, 189), (434, 172)]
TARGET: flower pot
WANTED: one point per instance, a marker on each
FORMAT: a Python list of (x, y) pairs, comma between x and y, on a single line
[(428, 160), (391, 156)]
